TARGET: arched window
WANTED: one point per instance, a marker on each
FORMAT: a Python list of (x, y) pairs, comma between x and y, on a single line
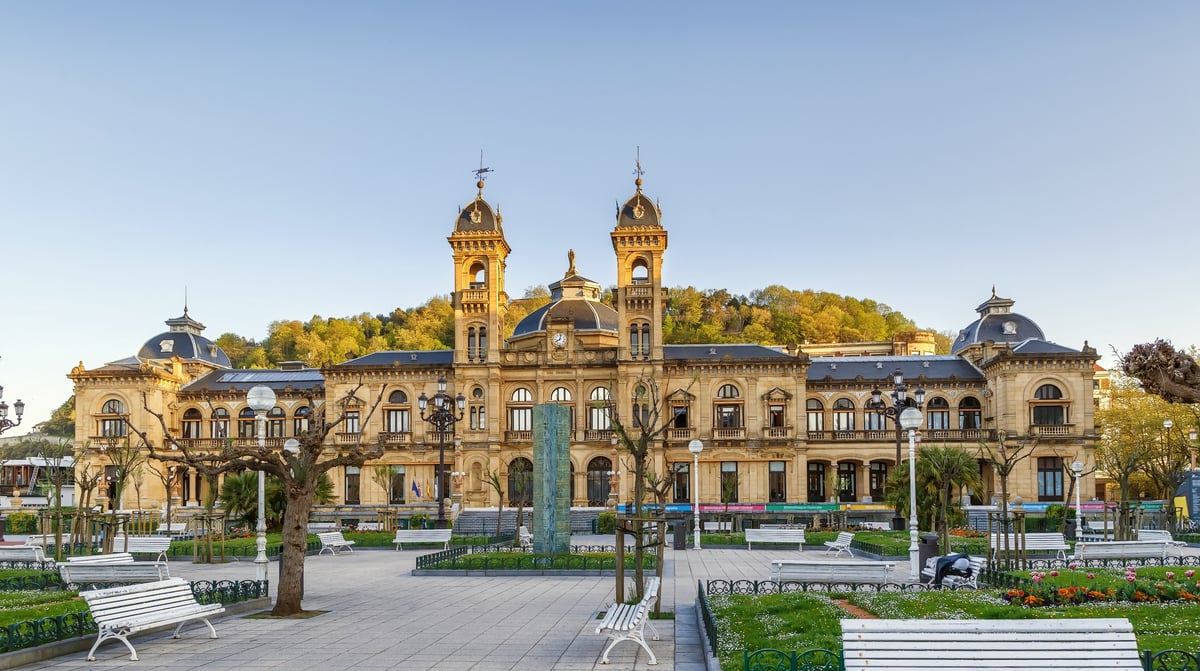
[(599, 470), (275, 420), (1048, 408), (843, 415), (937, 413), (640, 273), (520, 410), (562, 396), (218, 424), (478, 410), (520, 482), (727, 411), (246, 428), (191, 423), (641, 407), (112, 419), (815, 413), (478, 276), (970, 413), (598, 412), (300, 420), (397, 415)]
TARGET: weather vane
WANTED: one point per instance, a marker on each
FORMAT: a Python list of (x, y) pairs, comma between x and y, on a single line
[(481, 173)]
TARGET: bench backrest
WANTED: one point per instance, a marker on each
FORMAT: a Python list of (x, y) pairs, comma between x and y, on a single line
[(415, 535), (1120, 549), (328, 537), (986, 645), (318, 527), (1034, 541), (844, 538), (1154, 535), (790, 535), (22, 553), (824, 571), (110, 558), (102, 573), (130, 601), (141, 544)]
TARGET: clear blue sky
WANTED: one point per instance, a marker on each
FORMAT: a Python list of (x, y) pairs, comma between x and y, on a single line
[(282, 160)]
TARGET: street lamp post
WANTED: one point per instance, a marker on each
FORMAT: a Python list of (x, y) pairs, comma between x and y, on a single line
[(1192, 435), (18, 410), (696, 447), (261, 400), (900, 400), (910, 420), (443, 418), (1077, 471)]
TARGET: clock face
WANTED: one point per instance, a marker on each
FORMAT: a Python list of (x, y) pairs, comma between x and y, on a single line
[(560, 339)]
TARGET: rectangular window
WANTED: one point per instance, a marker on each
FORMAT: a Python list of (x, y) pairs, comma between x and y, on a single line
[(1048, 415), (1050, 478), (729, 417), (679, 417), (397, 421), (352, 485), (220, 428), (843, 420), (520, 419), (397, 485), (777, 481), (191, 429), (777, 416), (683, 481), (939, 419), (729, 482), (275, 428), (874, 421), (848, 481), (969, 419), (879, 475), (816, 482), (816, 420), (246, 428), (352, 421)]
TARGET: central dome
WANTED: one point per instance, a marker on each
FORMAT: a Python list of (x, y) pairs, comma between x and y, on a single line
[(184, 340), (574, 299)]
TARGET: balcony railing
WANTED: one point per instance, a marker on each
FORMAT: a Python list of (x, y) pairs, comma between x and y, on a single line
[(598, 434), (346, 438), (679, 434), (436, 437), (1052, 429), (927, 435), (777, 432), (518, 436), (729, 434), (395, 437)]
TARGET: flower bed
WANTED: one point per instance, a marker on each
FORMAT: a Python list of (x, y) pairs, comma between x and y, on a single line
[(1074, 587)]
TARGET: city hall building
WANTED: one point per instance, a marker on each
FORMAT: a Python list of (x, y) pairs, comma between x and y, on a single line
[(780, 426)]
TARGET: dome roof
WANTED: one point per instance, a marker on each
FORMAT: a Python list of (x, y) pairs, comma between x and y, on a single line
[(574, 299), (639, 211), (184, 341), (478, 216), (998, 323)]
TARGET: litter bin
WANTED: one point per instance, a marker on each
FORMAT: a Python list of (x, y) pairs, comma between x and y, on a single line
[(1070, 531), (679, 534), (927, 548)]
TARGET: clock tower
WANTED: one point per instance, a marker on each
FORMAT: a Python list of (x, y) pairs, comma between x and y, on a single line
[(639, 241)]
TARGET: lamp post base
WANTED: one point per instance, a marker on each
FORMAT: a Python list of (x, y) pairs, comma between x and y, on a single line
[(441, 523)]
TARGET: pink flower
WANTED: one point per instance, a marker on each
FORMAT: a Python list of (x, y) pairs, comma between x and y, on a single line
[(1072, 566), (1170, 575), (1091, 576), (1189, 573), (1037, 577), (1130, 578), (1054, 574)]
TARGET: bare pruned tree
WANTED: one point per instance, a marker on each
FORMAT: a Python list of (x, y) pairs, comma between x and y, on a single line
[(298, 470)]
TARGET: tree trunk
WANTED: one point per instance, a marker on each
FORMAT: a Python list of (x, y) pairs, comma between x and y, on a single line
[(943, 524), (295, 547)]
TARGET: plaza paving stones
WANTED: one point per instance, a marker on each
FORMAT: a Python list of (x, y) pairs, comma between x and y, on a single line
[(380, 616)]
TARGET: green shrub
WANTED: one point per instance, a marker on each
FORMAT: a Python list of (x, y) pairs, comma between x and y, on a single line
[(21, 523), (607, 523)]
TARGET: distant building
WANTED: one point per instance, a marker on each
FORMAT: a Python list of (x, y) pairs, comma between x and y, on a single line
[(778, 425)]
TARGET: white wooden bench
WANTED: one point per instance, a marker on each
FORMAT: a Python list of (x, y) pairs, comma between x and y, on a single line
[(110, 558), (989, 645), (22, 553), (1121, 550), (422, 536), (321, 527), (334, 541), (875, 526), (121, 611), (715, 526), (955, 581), (1164, 536), (155, 545), (821, 571), (84, 574), (176, 530), (841, 544), (1097, 531), (370, 526), (628, 622), (794, 535), (1035, 543)]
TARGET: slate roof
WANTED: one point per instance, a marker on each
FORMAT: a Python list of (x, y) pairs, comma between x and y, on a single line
[(586, 315), (940, 367), (244, 379), (1032, 346), (437, 357), (184, 345), (714, 352)]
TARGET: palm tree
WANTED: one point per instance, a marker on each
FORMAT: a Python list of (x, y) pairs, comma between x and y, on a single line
[(947, 469), (239, 493)]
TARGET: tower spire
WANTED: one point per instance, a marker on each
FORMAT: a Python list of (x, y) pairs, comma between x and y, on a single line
[(638, 209)]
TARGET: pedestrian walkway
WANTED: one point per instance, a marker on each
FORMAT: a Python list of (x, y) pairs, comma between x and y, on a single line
[(379, 616)]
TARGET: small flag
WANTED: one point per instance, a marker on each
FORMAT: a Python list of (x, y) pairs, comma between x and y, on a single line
[(415, 490)]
